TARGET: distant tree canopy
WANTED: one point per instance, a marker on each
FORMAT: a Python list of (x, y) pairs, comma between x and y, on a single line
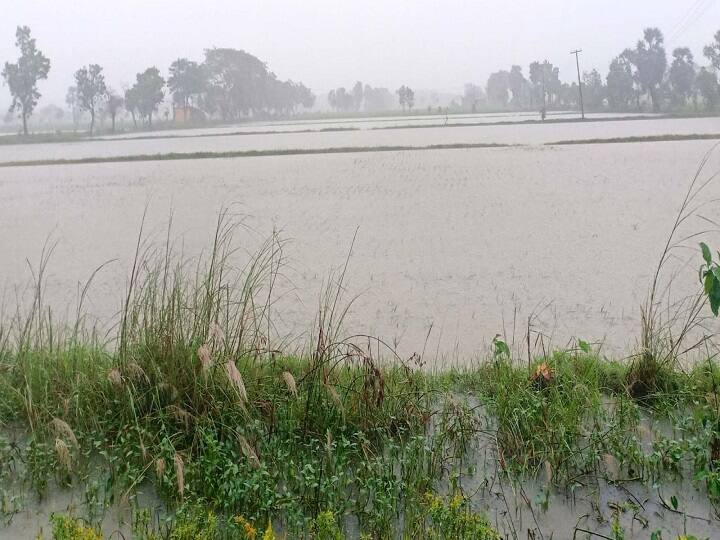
[(231, 83), (22, 76), (91, 90), (406, 97), (146, 94)]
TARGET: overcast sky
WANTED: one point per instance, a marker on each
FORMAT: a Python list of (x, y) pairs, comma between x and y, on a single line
[(327, 43)]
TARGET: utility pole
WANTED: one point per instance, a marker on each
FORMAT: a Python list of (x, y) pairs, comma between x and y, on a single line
[(577, 63)]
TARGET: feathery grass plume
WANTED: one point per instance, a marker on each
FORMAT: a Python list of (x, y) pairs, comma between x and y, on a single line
[(334, 396), (248, 452), (203, 353), (136, 372), (216, 333), (236, 379), (63, 454), (63, 429), (180, 475), (159, 468), (115, 377), (329, 442), (180, 415), (290, 382), (548, 470), (143, 451)]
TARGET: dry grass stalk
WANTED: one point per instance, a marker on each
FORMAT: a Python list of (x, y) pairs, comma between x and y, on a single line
[(236, 379), (159, 468), (180, 474), (249, 453), (63, 454), (115, 377), (62, 429), (205, 361), (290, 382)]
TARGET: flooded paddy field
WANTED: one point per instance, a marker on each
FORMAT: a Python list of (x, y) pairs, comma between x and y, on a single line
[(453, 246), (533, 134)]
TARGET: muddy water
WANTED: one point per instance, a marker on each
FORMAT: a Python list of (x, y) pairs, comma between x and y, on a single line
[(457, 245), (498, 134)]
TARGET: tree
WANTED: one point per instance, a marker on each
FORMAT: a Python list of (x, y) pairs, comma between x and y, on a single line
[(340, 99), (707, 85), (71, 99), (187, 82), (113, 104), (594, 90), (409, 98), (620, 84), (682, 75), (22, 76), (546, 85), (498, 88), (518, 86), (406, 97), (357, 95), (91, 90), (237, 82), (147, 93), (131, 104), (650, 61), (377, 99), (712, 51)]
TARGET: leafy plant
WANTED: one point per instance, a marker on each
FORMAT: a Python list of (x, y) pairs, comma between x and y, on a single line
[(710, 278)]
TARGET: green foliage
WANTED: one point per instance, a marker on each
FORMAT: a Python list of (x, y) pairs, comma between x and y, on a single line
[(69, 528), (325, 527), (454, 519), (710, 278), (196, 525)]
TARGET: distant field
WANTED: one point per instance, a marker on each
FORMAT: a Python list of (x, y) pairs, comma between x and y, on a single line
[(453, 239)]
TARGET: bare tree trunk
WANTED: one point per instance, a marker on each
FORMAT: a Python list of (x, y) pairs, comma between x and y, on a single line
[(24, 119), (92, 121), (113, 122), (653, 98)]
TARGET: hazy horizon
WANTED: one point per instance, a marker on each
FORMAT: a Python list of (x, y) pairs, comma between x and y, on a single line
[(424, 44)]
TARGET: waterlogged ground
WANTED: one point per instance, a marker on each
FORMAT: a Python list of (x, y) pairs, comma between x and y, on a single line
[(287, 139), (453, 246)]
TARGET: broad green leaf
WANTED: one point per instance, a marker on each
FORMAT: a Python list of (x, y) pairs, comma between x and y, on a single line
[(706, 253)]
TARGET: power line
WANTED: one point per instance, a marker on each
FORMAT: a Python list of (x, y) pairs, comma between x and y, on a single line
[(684, 18), (703, 6)]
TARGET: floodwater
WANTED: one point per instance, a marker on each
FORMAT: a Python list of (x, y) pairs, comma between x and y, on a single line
[(453, 246), (533, 134)]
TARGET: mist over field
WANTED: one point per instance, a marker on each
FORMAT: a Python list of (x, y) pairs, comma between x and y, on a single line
[(427, 45)]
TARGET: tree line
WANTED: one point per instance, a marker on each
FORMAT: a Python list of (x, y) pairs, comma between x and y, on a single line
[(638, 76), (228, 84), (369, 99)]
